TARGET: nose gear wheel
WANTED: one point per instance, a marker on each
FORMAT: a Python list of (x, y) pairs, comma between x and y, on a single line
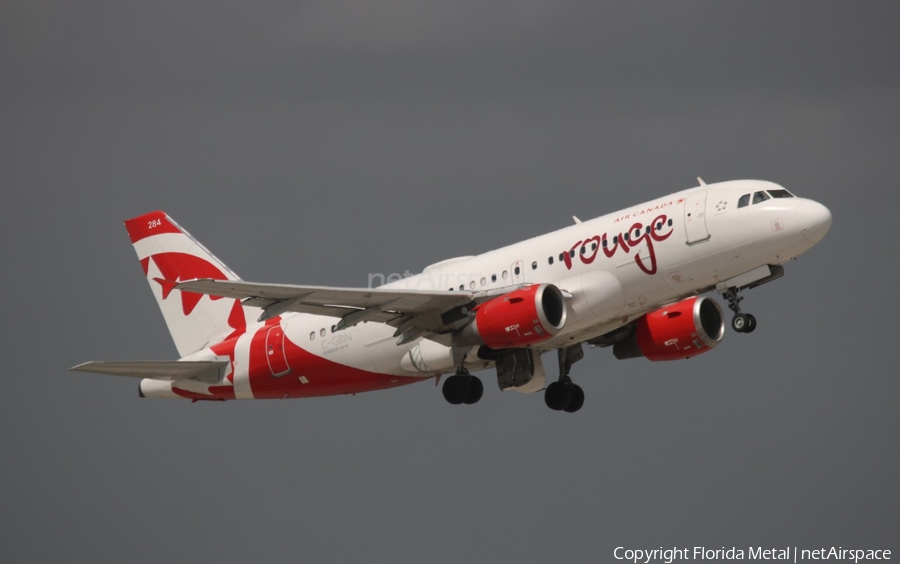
[(741, 322)]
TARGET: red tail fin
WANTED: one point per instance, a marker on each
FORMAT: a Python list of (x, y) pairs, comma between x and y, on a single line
[(168, 255)]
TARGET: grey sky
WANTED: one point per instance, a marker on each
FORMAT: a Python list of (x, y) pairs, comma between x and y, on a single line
[(318, 142)]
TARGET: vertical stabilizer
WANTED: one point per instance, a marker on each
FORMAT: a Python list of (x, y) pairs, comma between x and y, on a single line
[(168, 255)]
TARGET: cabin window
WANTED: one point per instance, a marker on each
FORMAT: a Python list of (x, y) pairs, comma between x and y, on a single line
[(759, 197), (549, 260), (626, 236), (462, 287), (312, 335), (583, 249), (534, 265), (483, 281), (615, 239), (780, 194), (505, 274), (670, 223), (604, 243), (572, 253), (472, 285), (594, 246), (518, 271), (322, 332), (493, 277)]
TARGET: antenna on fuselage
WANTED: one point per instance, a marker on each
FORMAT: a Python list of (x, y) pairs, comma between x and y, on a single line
[(700, 180), (576, 220)]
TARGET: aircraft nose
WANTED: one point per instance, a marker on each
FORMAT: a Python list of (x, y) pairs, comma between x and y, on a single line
[(814, 220)]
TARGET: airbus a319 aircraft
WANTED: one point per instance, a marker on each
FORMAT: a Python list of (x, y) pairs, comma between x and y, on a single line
[(633, 280)]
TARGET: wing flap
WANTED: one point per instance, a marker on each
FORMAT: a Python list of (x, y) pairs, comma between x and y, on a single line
[(168, 370)]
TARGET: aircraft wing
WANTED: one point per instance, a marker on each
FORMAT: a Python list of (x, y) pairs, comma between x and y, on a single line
[(169, 370), (412, 312)]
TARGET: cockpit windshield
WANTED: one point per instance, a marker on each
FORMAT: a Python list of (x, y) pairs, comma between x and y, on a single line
[(762, 196), (759, 197)]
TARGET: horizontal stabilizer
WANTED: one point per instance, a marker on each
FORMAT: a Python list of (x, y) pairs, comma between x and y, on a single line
[(168, 370)]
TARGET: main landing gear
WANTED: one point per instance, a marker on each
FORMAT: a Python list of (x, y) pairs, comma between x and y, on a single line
[(565, 395), (741, 322), (463, 388)]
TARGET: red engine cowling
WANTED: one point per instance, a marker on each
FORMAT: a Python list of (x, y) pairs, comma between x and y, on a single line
[(681, 330), (520, 318)]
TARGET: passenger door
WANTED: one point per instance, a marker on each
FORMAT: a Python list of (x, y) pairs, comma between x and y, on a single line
[(275, 353), (695, 218)]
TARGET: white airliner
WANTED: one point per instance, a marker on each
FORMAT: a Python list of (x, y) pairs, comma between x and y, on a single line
[(632, 280)]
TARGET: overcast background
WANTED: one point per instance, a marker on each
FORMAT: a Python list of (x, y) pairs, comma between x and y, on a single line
[(318, 142)]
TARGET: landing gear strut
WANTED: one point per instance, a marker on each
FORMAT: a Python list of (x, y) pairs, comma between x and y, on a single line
[(564, 395), (741, 322), (463, 388)]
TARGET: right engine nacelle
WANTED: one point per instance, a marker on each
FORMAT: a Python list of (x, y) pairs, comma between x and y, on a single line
[(518, 319), (681, 330)]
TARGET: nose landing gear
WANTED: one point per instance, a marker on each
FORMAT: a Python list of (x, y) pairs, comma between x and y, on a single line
[(741, 322)]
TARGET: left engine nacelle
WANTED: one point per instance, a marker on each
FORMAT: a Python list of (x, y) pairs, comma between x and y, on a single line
[(681, 330), (518, 319)]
